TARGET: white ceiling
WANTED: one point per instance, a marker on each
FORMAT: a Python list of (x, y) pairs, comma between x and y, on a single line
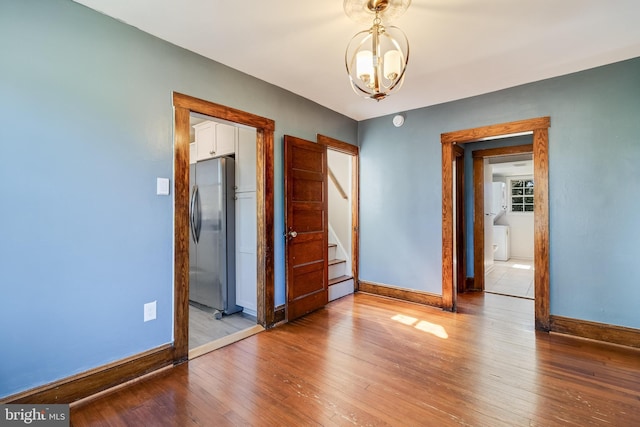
[(459, 48), (512, 165)]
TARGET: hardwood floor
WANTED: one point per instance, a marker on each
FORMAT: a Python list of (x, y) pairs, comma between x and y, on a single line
[(367, 360)]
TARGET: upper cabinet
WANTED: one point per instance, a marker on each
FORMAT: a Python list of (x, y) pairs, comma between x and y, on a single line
[(214, 139)]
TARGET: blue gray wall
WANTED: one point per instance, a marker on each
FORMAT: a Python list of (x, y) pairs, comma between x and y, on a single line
[(87, 126), (594, 173)]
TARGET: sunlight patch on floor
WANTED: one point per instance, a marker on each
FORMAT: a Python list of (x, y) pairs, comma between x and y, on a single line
[(521, 266), (405, 320), (422, 325)]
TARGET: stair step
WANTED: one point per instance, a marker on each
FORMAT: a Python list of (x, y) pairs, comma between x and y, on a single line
[(341, 289), (337, 268), (333, 249), (339, 279)]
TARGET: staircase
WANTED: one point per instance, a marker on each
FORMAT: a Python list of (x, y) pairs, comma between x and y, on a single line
[(340, 281)]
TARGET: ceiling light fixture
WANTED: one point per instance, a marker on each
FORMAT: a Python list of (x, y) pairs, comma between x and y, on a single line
[(376, 58)]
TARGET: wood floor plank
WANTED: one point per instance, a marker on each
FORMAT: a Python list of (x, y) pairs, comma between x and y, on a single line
[(369, 360)]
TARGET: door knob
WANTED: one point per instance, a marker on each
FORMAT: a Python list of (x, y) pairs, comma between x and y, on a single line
[(293, 234)]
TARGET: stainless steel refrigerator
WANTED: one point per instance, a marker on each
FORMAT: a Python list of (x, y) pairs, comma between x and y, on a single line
[(212, 244)]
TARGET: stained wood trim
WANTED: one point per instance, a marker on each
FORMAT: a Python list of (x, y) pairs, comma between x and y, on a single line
[(280, 314), (503, 151), (222, 112), (478, 224), (503, 129), (184, 105), (355, 219), (469, 283), (354, 151), (265, 228), (181, 235), (595, 331), (411, 295), (448, 291), (85, 384), (538, 127), (461, 244), (337, 145), (541, 227)]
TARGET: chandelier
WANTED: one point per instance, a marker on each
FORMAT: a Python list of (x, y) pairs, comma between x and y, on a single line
[(376, 58)]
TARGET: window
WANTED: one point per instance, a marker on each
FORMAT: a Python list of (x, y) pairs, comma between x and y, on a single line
[(521, 195)]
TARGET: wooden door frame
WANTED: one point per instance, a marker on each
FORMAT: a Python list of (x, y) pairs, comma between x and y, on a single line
[(539, 127), (183, 106), (461, 244), (478, 204), (354, 152)]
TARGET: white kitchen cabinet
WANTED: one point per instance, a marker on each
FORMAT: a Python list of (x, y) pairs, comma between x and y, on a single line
[(214, 139), (246, 221), (193, 154), (226, 136), (246, 252), (246, 160)]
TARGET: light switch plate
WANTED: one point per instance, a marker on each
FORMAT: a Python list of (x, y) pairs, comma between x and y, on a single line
[(150, 311), (162, 186)]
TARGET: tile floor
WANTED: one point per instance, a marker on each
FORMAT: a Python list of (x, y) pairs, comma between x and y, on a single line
[(204, 328), (513, 277)]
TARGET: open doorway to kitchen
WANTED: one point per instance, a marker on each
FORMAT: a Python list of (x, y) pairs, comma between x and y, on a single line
[(184, 106), (222, 223)]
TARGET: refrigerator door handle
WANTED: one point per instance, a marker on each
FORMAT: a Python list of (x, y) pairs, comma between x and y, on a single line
[(192, 211), (199, 213)]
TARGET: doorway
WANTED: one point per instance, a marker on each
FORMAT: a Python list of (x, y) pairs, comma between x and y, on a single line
[(504, 221), (184, 106), (482, 235), (342, 162), (222, 245), (509, 218), (538, 127), (321, 262)]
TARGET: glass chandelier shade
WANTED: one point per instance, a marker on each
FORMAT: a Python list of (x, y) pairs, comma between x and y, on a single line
[(376, 60)]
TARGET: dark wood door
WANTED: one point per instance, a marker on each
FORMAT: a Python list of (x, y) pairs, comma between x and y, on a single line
[(306, 223)]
